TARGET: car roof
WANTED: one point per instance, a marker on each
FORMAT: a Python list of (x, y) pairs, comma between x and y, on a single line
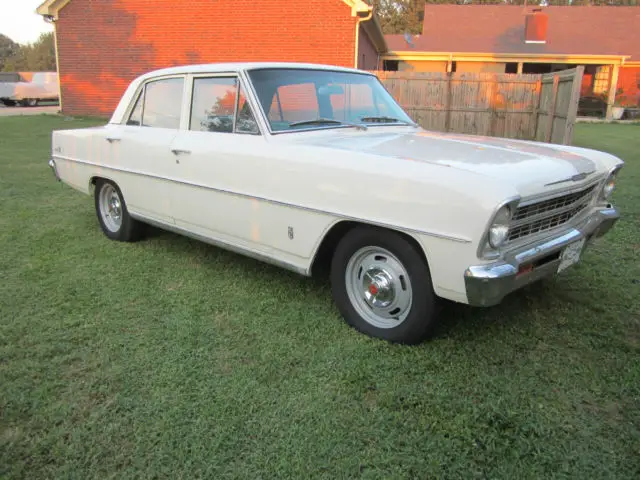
[(128, 95), (239, 66)]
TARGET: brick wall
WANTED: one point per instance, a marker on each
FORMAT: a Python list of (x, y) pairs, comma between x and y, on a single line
[(104, 44)]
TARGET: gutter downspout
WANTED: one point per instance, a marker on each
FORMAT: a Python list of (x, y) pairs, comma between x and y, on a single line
[(358, 20), (52, 20)]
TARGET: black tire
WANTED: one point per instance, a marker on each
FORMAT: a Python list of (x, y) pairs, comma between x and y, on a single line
[(29, 102), (423, 310), (129, 229), (9, 103)]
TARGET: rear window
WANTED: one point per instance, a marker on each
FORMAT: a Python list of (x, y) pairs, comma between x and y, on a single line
[(9, 77)]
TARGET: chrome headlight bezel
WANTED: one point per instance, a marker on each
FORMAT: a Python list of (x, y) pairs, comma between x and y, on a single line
[(499, 229), (487, 249), (609, 184)]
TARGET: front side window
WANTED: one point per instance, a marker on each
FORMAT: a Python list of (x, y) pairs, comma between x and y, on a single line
[(246, 123), (214, 104), (159, 104), (304, 98)]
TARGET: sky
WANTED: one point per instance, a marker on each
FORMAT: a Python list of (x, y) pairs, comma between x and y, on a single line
[(19, 21)]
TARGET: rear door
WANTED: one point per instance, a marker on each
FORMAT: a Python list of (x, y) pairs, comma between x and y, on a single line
[(142, 148)]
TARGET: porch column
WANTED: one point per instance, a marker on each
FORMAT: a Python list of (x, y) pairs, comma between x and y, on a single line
[(613, 87), (520, 68)]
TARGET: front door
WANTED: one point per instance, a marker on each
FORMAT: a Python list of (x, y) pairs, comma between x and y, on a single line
[(215, 155)]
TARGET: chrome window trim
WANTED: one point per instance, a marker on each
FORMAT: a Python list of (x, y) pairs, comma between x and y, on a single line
[(142, 89), (240, 86), (456, 238)]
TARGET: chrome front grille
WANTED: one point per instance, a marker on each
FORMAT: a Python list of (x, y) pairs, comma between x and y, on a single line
[(547, 214)]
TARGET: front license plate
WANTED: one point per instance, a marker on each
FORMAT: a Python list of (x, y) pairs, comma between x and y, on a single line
[(571, 255)]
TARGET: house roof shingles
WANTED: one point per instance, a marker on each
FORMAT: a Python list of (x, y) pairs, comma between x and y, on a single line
[(500, 29)]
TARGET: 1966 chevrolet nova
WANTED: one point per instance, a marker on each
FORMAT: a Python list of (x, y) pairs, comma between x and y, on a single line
[(296, 164)]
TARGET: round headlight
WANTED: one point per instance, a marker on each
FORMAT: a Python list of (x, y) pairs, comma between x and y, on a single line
[(609, 186), (499, 231)]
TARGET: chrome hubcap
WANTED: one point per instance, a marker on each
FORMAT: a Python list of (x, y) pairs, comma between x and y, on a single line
[(110, 207), (378, 287)]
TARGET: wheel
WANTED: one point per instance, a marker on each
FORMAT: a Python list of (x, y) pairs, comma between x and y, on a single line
[(382, 286), (29, 102), (114, 218), (9, 103)]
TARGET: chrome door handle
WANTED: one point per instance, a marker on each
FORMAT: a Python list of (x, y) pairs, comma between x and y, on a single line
[(177, 151), (112, 139)]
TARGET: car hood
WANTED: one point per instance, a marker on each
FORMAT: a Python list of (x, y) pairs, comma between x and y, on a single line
[(529, 166)]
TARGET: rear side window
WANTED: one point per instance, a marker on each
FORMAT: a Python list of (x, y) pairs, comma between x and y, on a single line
[(136, 114), (159, 105)]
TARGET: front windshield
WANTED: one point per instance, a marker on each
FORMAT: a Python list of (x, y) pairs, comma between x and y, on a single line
[(295, 99)]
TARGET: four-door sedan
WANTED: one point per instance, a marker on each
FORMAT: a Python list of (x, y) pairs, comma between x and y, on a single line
[(297, 164)]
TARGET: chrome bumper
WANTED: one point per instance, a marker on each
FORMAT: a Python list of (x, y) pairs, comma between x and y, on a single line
[(52, 164), (488, 284)]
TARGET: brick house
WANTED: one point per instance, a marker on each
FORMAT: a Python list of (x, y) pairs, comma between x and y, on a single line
[(514, 39), (101, 45)]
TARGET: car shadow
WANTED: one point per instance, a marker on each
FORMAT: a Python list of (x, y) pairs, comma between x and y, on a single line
[(461, 320), (455, 319)]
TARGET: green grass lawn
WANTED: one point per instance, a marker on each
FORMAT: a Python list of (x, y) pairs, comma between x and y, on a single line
[(169, 358)]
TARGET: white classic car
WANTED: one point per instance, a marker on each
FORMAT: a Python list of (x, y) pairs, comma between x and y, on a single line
[(43, 86), (298, 164)]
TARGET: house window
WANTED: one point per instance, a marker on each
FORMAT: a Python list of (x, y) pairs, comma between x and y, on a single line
[(511, 67), (390, 65), (601, 80)]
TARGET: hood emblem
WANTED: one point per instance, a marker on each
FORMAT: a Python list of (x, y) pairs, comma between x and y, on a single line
[(575, 178)]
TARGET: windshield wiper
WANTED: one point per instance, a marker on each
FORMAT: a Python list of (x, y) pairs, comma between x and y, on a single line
[(327, 121), (383, 119)]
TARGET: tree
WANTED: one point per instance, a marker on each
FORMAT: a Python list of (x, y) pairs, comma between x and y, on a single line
[(400, 16), (405, 16), (39, 56), (8, 48)]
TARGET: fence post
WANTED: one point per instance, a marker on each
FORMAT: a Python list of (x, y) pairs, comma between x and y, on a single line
[(492, 105), (576, 86), (447, 118), (552, 108), (536, 107)]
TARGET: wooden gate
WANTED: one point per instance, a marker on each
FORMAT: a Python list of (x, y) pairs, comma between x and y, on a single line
[(531, 107), (558, 106)]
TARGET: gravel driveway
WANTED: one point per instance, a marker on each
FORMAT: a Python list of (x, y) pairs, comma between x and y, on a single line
[(13, 111)]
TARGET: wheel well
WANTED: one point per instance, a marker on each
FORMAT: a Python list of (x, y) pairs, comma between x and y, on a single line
[(322, 259), (93, 181)]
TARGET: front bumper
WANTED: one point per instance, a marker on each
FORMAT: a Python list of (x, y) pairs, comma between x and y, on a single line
[(488, 284)]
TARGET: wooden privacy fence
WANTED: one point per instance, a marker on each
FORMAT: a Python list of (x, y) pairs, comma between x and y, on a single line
[(532, 107)]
